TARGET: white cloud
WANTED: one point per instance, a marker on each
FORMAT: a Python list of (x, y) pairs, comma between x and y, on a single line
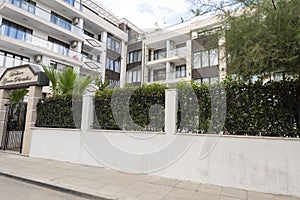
[(148, 13)]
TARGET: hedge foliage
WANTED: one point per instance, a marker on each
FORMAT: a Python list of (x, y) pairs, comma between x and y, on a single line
[(269, 109), (131, 108), (59, 112)]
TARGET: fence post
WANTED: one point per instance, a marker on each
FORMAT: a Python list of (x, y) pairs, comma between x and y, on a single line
[(87, 116), (171, 103)]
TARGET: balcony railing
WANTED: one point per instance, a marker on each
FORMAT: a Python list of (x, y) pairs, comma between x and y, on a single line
[(45, 15), (39, 42), (75, 4), (178, 52)]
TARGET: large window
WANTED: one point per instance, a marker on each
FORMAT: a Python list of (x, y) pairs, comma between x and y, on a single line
[(180, 71), (206, 58), (58, 66), (71, 2), (16, 31), (59, 46), (207, 80), (159, 54), (113, 44), (133, 76), (8, 59), (135, 56), (27, 5), (60, 21), (113, 65)]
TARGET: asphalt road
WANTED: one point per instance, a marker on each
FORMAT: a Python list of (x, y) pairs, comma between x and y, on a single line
[(11, 189)]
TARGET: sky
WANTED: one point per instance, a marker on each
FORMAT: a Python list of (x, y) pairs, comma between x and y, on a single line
[(147, 13)]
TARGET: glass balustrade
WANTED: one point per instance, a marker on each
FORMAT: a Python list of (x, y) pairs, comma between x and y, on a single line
[(21, 35), (29, 7)]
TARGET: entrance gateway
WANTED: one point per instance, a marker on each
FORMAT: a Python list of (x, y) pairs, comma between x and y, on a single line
[(17, 119)]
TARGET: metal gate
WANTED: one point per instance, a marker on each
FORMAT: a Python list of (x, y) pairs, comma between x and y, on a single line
[(15, 124)]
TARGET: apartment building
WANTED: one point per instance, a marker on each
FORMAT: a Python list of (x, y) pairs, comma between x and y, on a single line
[(92, 40), (61, 33)]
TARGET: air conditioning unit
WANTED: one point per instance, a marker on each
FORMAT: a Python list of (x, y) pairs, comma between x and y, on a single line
[(38, 58), (75, 20), (74, 44)]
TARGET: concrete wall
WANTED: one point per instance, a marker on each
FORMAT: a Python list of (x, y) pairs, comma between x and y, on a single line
[(268, 165)]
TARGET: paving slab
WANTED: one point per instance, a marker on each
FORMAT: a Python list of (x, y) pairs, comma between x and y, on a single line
[(103, 183)]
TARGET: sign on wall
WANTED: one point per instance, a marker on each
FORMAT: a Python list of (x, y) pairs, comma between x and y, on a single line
[(23, 76)]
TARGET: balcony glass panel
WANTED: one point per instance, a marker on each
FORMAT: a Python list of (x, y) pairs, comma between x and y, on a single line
[(30, 7), (12, 32)]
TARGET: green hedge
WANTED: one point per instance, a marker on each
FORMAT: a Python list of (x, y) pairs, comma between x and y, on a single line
[(270, 109), (145, 105), (59, 112)]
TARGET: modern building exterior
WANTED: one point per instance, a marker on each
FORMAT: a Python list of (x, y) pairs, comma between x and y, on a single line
[(62, 33), (92, 40)]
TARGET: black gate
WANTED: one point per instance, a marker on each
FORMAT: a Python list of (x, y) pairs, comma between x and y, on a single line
[(15, 124)]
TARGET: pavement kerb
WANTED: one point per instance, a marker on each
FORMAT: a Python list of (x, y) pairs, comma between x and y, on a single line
[(54, 187)]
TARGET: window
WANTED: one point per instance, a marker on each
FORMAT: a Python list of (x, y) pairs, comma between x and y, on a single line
[(88, 33), (113, 65), (71, 2), (60, 21), (58, 66), (27, 5), (133, 76), (159, 54), (135, 56), (113, 44), (206, 58), (207, 80), (8, 59), (59, 46), (180, 71), (16, 31)]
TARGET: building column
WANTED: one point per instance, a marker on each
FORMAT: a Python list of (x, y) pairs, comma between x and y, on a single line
[(188, 61), (4, 99), (222, 59), (103, 55), (35, 94), (171, 103), (123, 65)]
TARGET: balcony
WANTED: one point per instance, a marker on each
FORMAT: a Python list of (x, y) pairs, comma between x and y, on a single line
[(34, 10), (91, 63), (74, 3), (174, 55), (25, 37)]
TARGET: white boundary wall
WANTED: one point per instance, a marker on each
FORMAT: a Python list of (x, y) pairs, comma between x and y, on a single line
[(270, 165)]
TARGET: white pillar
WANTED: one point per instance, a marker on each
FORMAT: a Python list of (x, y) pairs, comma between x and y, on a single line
[(4, 96), (171, 103), (87, 116), (222, 59), (103, 55), (189, 59), (123, 65), (168, 48)]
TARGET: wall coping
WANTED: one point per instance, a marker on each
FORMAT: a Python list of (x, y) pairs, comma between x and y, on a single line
[(163, 133)]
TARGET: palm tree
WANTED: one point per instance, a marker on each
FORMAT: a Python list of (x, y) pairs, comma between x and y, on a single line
[(67, 82), (52, 76), (16, 96)]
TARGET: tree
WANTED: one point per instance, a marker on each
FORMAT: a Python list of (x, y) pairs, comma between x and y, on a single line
[(262, 36), (67, 82), (16, 96)]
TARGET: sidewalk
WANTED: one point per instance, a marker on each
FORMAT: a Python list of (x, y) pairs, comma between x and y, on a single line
[(100, 183)]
